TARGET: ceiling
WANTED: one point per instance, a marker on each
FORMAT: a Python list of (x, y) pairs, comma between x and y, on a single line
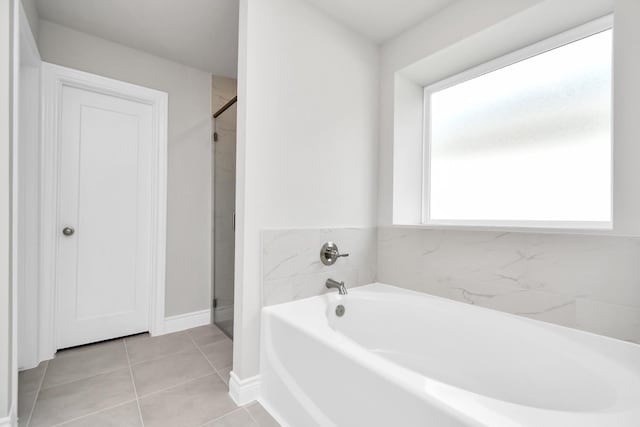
[(204, 33), (199, 33), (380, 20)]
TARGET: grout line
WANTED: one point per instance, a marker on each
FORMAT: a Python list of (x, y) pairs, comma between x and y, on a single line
[(177, 384), (222, 416), (217, 373), (135, 390), (110, 371), (205, 357), (93, 413), (137, 396), (250, 414), (164, 356), (33, 406), (222, 379)]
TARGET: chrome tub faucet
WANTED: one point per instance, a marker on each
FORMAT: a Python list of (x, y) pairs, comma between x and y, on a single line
[(333, 284)]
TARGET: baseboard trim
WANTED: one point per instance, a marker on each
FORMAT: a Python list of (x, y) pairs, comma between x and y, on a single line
[(186, 321), (244, 391), (10, 420)]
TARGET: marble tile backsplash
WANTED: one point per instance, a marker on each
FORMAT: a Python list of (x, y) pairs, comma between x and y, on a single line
[(291, 266), (586, 282)]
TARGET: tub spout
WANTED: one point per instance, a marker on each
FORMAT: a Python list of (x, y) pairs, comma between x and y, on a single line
[(331, 284)]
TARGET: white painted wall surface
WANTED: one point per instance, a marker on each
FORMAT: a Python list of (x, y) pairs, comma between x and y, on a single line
[(307, 139), (27, 196), (188, 287), (31, 11), (6, 298)]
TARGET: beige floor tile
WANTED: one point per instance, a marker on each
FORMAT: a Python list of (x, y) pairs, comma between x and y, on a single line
[(191, 404), (224, 374), (259, 414), (207, 334), (84, 362), (25, 404), (144, 347), (102, 345), (226, 326), (220, 354), (68, 401), (158, 374), (30, 379), (237, 418), (126, 415)]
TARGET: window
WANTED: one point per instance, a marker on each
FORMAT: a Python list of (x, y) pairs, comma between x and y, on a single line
[(524, 140)]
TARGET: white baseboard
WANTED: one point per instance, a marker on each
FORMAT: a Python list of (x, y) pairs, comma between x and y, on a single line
[(244, 391), (10, 420), (186, 321)]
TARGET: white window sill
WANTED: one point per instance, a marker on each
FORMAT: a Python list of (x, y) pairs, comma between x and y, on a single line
[(605, 228)]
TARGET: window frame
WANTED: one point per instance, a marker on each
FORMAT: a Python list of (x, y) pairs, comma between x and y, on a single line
[(567, 37)]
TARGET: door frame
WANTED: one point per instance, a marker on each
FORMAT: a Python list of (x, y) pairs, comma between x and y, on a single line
[(54, 78)]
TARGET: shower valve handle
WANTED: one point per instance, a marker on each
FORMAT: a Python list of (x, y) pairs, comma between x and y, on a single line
[(329, 253)]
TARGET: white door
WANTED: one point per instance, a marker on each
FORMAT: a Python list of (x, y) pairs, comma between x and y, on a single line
[(104, 214)]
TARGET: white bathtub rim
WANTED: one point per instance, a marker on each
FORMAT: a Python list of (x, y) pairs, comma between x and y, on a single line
[(379, 287)]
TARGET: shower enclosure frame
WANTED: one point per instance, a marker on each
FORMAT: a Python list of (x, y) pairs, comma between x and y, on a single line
[(222, 315)]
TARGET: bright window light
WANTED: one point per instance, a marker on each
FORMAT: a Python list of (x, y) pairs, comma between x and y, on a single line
[(526, 144)]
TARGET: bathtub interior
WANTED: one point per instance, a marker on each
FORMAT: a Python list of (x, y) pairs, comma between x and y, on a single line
[(440, 340), (296, 367), (439, 358)]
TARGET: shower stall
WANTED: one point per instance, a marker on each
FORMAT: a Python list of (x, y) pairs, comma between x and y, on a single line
[(224, 195)]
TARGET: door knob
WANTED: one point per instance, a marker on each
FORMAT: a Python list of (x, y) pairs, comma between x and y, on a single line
[(68, 231)]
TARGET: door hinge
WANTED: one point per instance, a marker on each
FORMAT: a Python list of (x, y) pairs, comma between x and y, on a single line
[(215, 302), (233, 221), (215, 137)]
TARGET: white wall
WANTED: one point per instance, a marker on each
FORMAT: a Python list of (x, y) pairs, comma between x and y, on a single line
[(307, 139), (31, 11), (27, 219), (189, 181), (6, 297)]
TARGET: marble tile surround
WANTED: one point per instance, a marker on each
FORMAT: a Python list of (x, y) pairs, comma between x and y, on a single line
[(291, 266), (586, 282)]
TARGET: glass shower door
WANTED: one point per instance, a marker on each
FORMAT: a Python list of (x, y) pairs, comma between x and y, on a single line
[(224, 218)]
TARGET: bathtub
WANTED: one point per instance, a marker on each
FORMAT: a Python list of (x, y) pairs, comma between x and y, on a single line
[(400, 358)]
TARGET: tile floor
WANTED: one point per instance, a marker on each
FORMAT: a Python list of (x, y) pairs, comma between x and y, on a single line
[(175, 380), (226, 326)]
